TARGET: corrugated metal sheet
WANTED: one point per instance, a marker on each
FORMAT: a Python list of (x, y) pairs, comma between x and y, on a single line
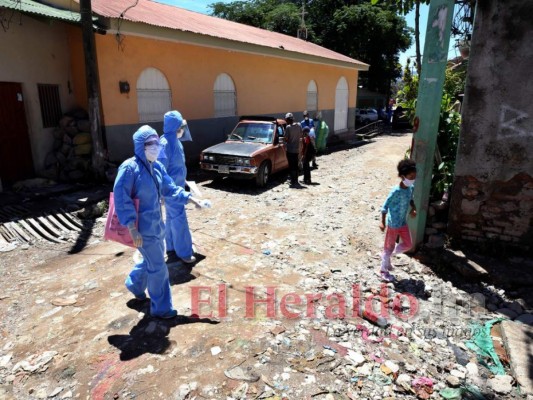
[(167, 16), (34, 7)]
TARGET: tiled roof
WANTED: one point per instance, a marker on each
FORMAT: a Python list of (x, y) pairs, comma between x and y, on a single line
[(162, 15)]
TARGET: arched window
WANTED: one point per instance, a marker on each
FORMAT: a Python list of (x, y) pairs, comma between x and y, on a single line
[(312, 98), (153, 95), (341, 105), (225, 96)]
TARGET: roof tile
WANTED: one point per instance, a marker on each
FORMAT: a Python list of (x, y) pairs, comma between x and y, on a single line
[(172, 17)]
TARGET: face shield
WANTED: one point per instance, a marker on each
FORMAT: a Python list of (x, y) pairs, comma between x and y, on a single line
[(184, 134)]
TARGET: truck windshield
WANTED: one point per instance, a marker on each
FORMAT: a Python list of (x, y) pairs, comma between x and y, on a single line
[(253, 132)]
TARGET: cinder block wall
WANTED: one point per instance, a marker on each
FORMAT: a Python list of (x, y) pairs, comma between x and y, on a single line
[(492, 196)]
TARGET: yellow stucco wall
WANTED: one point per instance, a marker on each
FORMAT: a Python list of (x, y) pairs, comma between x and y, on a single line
[(77, 62), (263, 84)]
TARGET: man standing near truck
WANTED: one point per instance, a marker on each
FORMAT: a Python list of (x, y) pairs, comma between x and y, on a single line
[(293, 139)]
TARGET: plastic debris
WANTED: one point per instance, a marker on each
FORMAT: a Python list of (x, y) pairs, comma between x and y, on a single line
[(481, 343), (423, 387), (451, 393), (329, 348), (380, 379), (240, 374)]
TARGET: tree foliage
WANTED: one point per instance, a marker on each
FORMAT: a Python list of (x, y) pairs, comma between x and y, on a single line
[(449, 122), (408, 88), (373, 34), (278, 16)]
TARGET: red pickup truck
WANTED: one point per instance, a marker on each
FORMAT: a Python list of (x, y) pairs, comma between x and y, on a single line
[(254, 150)]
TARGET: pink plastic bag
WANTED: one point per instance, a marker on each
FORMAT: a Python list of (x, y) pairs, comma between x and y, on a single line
[(114, 231)]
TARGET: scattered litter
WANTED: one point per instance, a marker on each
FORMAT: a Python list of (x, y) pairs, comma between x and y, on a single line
[(5, 247), (63, 302), (148, 370), (35, 362), (279, 329), (56, 391), (51, 312), (380, 379), (423, 387), (240, 374), (481, 343), (4, 360)]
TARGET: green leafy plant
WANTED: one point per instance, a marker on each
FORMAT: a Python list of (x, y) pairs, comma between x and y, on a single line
[(447, 141), (449, 123)]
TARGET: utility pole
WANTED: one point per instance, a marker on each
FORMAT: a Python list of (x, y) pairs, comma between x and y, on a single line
[(93, 87), (431, 82)]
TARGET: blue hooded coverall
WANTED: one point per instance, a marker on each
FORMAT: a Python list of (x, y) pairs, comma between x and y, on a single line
[(177, 233), (139, 179)]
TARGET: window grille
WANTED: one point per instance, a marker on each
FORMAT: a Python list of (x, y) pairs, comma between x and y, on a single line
[(225, 96), (154, 98), (50, 104), (312, 98)]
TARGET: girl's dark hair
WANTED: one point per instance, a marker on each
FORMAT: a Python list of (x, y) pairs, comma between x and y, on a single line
[(406, 167)]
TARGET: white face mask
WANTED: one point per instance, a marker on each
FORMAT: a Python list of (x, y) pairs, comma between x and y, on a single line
[(408, 182), (151, 152)]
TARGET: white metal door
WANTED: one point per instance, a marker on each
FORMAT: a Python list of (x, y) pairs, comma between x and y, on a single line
[(341, 106)]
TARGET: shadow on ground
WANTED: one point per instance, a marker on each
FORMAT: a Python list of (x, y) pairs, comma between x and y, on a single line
[(150, 335), (180, 272), (500, 282)]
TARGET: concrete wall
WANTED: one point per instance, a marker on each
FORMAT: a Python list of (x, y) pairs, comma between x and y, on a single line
[(492, 196), (264, 86), (35, 51)]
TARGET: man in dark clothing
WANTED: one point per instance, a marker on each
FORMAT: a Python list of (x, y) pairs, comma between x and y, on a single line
[(293, 138)]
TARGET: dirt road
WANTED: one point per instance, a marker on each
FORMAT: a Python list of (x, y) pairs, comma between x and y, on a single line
[(70, 329)]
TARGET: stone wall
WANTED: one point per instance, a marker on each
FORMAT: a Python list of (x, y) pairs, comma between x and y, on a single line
[(492, 197), (499, 211)]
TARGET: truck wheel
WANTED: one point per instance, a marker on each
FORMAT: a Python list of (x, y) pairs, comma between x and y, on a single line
[(263, 175)]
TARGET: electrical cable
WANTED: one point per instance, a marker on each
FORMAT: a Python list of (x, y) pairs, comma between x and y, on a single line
[(118, 36)]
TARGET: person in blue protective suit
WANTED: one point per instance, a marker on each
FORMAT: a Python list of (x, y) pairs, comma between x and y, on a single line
[(142, 177), (177, 234)]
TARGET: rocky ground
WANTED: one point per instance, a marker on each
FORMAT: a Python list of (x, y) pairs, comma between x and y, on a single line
[(271, 310)]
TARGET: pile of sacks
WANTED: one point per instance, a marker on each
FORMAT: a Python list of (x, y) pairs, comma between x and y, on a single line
[(70, 159)]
